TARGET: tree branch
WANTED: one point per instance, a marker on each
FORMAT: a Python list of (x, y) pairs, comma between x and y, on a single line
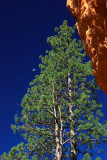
[(68, 139), (48, 149)]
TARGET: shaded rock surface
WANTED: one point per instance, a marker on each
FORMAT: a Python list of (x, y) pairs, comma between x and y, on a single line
[(91, 22)]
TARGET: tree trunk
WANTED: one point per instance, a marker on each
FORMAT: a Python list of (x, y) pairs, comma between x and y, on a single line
[(58, 133), (72, 130), (58, 138), (61, 129)]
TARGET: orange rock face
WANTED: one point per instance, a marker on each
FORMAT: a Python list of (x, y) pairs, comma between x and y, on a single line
[(91, 22)]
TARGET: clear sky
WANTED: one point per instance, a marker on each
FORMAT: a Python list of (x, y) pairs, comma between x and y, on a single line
[(24, 28)]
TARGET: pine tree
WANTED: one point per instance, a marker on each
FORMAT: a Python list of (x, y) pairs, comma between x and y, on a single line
[(61, 114)]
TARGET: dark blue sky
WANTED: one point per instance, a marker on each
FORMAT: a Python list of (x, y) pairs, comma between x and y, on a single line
[(24, 28)]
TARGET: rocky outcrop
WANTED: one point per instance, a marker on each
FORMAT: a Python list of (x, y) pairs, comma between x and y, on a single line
[(91, 22)]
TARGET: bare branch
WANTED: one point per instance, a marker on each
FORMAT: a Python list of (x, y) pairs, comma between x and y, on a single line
[(68, 139)]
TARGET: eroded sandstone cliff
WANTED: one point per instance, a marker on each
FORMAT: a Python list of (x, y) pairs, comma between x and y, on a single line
[(91, 22)]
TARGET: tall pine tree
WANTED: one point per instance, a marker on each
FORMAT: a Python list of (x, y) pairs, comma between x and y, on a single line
[(61, 114)]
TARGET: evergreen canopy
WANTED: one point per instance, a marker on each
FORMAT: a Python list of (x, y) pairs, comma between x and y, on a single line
[(61, 114)]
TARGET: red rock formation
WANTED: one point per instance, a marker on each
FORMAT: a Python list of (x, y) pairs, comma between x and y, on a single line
[(91, 22)]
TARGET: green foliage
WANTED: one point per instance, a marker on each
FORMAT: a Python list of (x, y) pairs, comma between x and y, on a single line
[(16, 153), (98, 158), (49, 98), (87, 156)]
